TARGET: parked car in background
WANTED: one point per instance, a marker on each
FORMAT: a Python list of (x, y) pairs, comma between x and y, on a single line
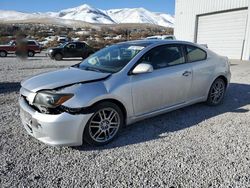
[(70, 49), (204, 45), (119, 85), (26, 47), (62, 39), (162, 37)]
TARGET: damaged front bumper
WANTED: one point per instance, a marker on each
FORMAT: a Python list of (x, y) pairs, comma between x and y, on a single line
[(57, 130)]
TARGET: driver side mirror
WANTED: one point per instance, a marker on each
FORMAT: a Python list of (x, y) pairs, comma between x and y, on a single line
[(143, 68)]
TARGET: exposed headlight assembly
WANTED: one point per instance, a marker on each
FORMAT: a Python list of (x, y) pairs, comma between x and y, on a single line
[(51, 99)]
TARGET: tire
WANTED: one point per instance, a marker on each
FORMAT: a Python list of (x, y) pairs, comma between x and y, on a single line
[(217, 92), (104, 125), (58, 57), (3, 53), (31, 54)]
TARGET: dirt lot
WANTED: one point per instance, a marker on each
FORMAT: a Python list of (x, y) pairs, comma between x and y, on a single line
[(198, 146)]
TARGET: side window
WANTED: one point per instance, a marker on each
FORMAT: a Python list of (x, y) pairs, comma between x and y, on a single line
[(31, 43), (80, 45), (163, 56), (195, 54), (71, 45)]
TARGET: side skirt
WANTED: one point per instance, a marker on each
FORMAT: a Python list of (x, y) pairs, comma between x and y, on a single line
[(164, 110)]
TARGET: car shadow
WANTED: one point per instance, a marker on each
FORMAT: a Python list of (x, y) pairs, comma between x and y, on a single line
[(29, 59), (8, 87), (236, 98)]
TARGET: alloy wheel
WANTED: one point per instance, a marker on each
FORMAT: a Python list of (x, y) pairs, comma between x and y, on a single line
[(104, 125), (30, 54), (2, 54), (217, 91)]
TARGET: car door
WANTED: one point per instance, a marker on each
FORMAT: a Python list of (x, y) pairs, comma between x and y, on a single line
[(169, 83), (12, 47), (80, 49), (70, 50), (31, 45)]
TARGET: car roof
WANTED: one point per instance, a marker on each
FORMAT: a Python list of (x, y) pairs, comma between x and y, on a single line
[(156, 42), (74, 42)]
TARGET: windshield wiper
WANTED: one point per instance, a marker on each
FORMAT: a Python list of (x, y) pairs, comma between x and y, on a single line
[(92, 69)]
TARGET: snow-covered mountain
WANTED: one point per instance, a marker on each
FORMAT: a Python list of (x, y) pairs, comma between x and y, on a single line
[(140, 15), (90, 14), (84, 13), (14, 15)]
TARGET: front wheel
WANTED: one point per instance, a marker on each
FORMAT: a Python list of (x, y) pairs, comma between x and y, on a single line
[(31, 54), (3, 54), (104, 125), (216, 92), (58, 57)]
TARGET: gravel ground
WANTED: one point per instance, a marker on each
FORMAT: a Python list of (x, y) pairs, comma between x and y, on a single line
[(198, 146)]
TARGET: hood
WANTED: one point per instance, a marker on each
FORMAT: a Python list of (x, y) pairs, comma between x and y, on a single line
[(61, 78)]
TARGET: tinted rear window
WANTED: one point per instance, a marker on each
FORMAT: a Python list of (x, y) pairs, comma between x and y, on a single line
[(80, 45), (31, 43), (195, 54)]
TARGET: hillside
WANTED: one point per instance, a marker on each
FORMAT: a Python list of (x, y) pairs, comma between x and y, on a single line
[(86, 14)]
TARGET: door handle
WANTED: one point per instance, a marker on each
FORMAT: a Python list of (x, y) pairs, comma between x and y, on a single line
[(186, 73)]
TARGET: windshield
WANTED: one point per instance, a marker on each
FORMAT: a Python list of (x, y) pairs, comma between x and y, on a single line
[(112, 59), (12, 43)]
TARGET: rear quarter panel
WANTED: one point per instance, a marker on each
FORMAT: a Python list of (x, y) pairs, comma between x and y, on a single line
[(204, 74), (34, 48)]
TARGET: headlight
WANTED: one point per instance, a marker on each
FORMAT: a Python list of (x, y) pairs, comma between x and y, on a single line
[(50, 51), (51, 99)]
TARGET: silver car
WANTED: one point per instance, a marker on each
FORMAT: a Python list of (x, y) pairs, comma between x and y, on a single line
[(117, 86)]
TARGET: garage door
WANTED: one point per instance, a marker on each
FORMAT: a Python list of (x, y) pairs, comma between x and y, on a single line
[(224, 33)]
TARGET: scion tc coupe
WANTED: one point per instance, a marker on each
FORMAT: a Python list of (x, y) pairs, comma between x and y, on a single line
[(117, 86)]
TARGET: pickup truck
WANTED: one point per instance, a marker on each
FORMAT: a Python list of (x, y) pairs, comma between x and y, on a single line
[(31, 48), (70, 49)]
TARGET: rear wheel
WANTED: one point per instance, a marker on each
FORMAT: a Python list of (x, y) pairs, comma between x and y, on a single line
[(104, 125), (58, 57), (3, 54), (216, 92), (31, 53)]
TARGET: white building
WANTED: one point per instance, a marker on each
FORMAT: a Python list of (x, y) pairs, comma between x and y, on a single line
[(224, 25)]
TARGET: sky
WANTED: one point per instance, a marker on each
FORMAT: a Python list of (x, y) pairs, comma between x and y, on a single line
[(165, 6)]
